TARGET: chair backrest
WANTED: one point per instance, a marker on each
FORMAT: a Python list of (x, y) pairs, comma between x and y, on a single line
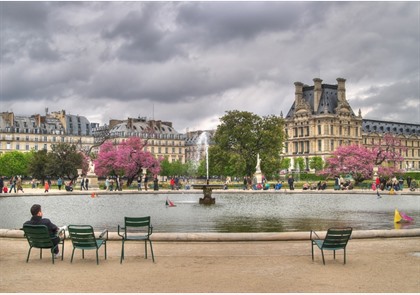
[(82, 236), (137, 224), (38, 236), (337, 238)]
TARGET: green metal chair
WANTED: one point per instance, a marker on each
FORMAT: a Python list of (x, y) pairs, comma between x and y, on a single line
[(136, 229), (335, 239), (83, 237), (39, 237)]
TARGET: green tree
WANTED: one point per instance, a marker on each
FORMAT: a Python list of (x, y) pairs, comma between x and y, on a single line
[(243, 135), (64, 160), (165, 168), (14, 163), (37, 164), (316, 163), (300, 163), (285, 163)]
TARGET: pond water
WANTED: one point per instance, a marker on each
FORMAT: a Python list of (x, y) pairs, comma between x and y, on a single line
[(275, 212)]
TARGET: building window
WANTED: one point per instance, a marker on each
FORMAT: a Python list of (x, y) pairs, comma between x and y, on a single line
[(27, 147), (17, 147), (332, 130), (319, 145), (319, 130), (332, 145)]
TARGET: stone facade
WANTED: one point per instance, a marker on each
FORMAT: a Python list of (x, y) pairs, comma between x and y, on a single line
[(321, 119), (24, 133), (162, 139)]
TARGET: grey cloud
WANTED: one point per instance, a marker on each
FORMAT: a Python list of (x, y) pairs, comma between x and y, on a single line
[(395, 102), (195, 60)]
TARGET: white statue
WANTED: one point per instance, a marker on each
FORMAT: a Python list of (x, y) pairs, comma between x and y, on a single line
[(91, 167), (258, 168)]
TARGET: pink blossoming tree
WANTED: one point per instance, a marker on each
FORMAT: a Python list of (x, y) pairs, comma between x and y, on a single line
[(127, 158), (359, 161)]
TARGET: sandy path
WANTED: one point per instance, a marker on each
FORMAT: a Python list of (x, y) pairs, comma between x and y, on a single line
[(373, 265)]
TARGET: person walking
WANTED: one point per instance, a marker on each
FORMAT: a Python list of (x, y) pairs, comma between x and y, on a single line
[(139, 182), (291, 182), (19, 185), (46, 187), (12, 184), (107, 183), (146, 180), (1, 184), (59, 183), (86, 183), (82, 184)]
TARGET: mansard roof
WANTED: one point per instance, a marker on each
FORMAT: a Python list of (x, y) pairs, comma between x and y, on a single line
[(377, 126), (327, 103)]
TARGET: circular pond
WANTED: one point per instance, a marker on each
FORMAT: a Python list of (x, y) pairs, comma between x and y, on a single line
[(276, 212)]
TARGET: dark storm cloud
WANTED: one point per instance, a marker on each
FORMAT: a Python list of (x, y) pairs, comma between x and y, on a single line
[(189, 62)]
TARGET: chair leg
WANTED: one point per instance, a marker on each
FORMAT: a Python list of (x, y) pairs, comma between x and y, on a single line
[(151, 250), (323, 259), (97, 257), (83, 254), (105, 250), (122, 252), (72, 254), (62, 251), (29, 253), (334, 254), (312, 248), (40, 253), (344, 255), (52, 254), (145, 249)]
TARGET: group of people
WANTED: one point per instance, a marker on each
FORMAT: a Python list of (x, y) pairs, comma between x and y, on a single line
[(342, 184), (312, 186), (15, 184), (392, 183)]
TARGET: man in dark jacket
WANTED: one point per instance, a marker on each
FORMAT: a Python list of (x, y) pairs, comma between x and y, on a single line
[(38, 220)]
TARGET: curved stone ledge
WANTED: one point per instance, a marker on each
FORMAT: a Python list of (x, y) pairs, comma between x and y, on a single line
[(232, 237)]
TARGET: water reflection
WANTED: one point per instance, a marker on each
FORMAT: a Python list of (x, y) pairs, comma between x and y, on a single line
[(231, 213)]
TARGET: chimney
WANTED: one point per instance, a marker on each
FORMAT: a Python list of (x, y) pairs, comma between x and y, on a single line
[(317, 93), (298, 92), (341, 90)]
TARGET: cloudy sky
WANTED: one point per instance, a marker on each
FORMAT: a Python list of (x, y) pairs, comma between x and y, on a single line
[(189, 62)]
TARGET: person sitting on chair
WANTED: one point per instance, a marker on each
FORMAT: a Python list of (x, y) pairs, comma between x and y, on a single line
[(52, 228), (68, 187)]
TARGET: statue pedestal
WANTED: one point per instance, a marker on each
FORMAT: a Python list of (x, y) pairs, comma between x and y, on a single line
[(93, 180), (207, 190), (258, 176)]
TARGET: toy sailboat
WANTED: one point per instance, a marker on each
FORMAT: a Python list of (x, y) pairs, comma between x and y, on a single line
[(169, 203), (401, 217)]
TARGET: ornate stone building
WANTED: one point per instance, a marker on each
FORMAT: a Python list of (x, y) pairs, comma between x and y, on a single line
[(162, 139), (24, 133), (321, 119)]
